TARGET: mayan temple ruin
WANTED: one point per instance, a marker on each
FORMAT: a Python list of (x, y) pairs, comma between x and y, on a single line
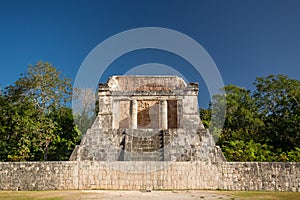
[(147, 118), (148, 136)]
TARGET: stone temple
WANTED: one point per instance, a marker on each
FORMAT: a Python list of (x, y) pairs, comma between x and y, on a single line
[(147, 118)]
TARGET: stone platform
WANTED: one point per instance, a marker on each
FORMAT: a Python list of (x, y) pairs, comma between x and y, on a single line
[(147, 118)]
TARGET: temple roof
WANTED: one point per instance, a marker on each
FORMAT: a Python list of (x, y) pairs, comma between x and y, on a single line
[(136, 83)]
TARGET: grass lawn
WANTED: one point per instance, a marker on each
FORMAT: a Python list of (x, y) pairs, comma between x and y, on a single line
[(247, 195)]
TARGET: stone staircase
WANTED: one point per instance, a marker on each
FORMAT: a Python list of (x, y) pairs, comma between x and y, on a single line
[(147, 146)]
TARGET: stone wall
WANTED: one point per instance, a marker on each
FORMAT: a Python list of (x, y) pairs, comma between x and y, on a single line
[(38, 175), (272, 176), (150, 175)]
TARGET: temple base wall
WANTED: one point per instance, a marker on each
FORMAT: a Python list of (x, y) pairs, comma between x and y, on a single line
[(140, 175)]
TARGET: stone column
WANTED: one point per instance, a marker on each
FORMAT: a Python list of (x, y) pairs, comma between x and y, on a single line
[(115, 112), (164, 114), (134, 113)]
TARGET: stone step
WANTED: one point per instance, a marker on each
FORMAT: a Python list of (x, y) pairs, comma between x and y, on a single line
[(153, 156), (145, 150)]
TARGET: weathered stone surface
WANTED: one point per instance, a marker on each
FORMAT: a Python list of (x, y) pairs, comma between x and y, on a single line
[(38, 175), (161, 112), (140, 175)]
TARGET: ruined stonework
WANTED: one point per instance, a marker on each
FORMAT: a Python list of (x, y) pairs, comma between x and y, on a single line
[(84, 175), (143, 121), (147, 118)]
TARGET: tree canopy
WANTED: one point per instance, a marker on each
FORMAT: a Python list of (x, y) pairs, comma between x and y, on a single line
[(262, 125), (35, 122)]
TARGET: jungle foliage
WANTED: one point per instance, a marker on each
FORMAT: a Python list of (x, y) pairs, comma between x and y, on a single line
[(36, 123), (260, 125)]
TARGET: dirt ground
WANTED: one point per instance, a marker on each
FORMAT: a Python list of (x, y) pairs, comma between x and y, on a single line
[(153, 195), (144, 195), (115, 195)]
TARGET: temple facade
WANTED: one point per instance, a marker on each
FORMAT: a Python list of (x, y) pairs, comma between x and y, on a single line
[(148, 118)]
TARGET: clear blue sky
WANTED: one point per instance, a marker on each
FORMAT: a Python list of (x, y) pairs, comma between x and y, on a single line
[(246, 39)]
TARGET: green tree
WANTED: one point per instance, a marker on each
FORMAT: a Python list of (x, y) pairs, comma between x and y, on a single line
[(294, 155), (35, 122), (67, 136), (239, 150), (263, 125), (19, 130), (205, 116), (42, 85), (277, 98), (242, 121)]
